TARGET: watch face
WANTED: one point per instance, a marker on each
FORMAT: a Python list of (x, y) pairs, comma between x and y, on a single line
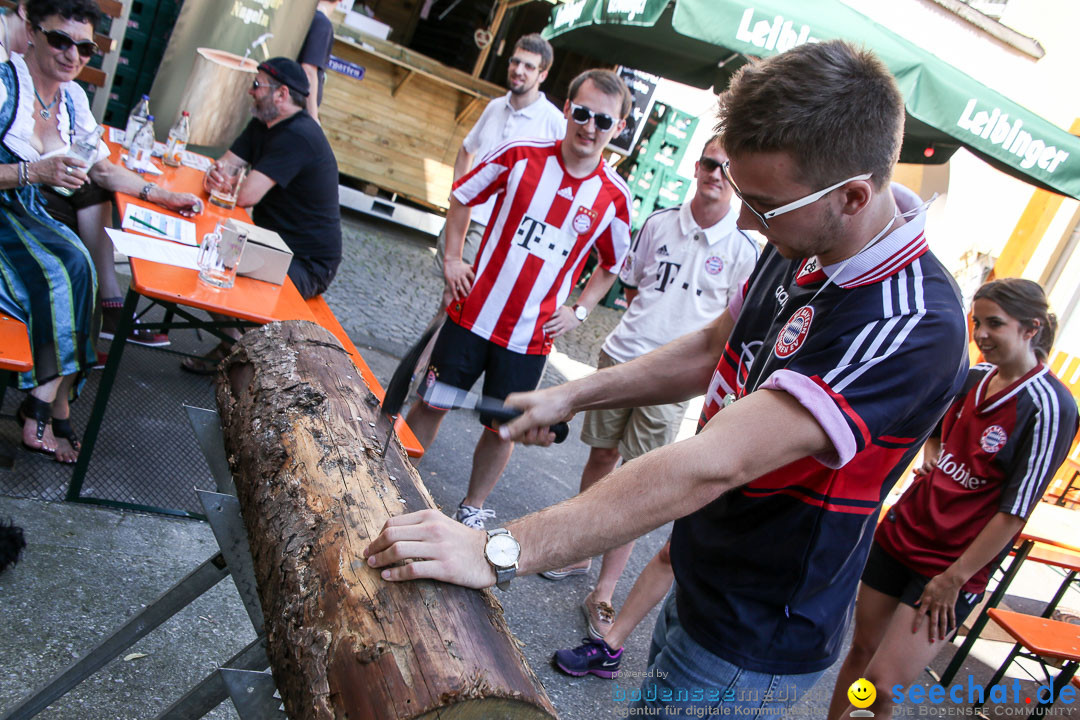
[(502, 550), (581, 313)]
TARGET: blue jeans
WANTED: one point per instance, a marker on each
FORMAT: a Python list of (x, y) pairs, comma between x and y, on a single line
[(683, 677)]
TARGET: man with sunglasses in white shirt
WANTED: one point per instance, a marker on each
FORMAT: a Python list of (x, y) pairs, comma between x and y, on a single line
[(825, 375), (554, 201), (523, 112)]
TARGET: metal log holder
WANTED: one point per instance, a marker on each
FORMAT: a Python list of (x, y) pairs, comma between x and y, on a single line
[(242, 678)]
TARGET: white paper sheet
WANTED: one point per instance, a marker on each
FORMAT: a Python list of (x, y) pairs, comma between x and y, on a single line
[(140, 246), (116, 135), (164, 226), (195, 161)]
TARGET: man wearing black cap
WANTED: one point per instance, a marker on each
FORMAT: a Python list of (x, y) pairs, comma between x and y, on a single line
[(292, 186)]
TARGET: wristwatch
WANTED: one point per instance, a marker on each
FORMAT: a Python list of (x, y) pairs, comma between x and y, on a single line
[(580, 313), (502, 551)]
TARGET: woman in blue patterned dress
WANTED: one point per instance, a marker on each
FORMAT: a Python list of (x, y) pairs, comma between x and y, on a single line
[(47, 277)]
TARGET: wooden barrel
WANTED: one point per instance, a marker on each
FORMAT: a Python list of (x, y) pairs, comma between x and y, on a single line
[(216, 96)]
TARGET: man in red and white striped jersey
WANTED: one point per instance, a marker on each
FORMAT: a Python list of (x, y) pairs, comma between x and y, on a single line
[(555, 200)]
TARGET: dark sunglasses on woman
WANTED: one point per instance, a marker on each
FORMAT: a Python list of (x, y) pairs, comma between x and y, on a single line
[(61, 41)]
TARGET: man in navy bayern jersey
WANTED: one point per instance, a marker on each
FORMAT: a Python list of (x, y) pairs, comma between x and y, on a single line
[(833, 364)]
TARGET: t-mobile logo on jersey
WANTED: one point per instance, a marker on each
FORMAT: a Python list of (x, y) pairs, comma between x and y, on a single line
[(547, 242), (666, 273), (959, 472)]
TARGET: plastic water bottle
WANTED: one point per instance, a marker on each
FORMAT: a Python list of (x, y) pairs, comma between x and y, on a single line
[(142, 147), (136, 120), (178, 138)]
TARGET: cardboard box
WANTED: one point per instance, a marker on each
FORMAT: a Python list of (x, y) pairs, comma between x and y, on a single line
[(266, 256)]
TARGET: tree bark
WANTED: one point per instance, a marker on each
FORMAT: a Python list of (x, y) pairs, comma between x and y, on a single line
[(314, 490)]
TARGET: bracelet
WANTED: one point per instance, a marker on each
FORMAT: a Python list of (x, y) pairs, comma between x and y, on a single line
[(24, 174), (144, 194)]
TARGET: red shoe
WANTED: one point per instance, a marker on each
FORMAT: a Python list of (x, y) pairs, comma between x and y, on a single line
[(110, 318)]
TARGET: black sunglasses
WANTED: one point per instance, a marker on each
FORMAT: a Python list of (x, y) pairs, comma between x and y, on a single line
[(61, 41), (255, 85), (709, 165), (581, 115)]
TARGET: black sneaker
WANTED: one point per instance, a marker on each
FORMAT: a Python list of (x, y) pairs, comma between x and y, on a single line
[(593, 656)]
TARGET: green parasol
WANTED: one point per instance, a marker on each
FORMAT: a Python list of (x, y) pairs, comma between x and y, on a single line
[(702, 42)]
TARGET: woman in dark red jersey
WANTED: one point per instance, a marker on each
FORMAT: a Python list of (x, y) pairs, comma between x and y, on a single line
[(996, 449)]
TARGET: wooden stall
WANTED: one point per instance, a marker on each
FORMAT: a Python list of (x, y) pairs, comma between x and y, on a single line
[(400, 127)]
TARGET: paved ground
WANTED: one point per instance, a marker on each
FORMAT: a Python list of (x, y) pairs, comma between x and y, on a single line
[(87, 569)]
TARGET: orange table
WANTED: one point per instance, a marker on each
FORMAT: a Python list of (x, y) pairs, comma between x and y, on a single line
[(1053, 525), (249, 302)]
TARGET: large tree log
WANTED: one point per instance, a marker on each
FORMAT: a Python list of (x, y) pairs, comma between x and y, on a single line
[(314, 490)]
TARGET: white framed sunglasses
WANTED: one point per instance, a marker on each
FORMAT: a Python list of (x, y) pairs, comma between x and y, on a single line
[(582, 114), (764, 217)]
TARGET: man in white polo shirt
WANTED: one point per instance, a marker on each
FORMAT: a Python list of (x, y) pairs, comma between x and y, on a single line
[(684, 265), (524, 112)]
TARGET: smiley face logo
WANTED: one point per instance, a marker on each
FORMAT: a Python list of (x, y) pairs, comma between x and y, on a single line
[(862, 693)]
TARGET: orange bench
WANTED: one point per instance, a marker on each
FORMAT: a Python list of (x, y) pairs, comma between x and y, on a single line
[(14, 345), (1042, 640), (15, 357), (326, 318)]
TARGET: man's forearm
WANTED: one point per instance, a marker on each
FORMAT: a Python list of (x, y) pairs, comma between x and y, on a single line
[(737, 446), (462, 163), (312, 73), (457, 222), (597, 287), (675, 372)]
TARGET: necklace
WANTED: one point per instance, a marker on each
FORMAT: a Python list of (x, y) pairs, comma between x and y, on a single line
[(45, 109)]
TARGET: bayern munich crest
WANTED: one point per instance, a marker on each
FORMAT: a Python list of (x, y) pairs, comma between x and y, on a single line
[(583, 219), (714, 265), (993, 439), (794, 333)]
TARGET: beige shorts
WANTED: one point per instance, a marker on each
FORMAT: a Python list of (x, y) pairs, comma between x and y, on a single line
[(473, 235), (634, 431)]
